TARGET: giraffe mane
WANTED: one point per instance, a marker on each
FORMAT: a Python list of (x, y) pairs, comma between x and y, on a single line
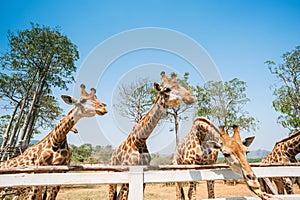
[(297, 133), (207, 121)]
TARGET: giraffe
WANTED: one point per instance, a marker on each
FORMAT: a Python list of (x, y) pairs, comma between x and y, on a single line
[(53, 149), (195, 148), (134, 151), (284, 151), (201, 147)]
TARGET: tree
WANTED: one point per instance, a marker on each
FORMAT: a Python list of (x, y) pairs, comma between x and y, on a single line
[(102, 153), (82, 153), (11, 90), (177, 114), (223, 103), (4, 119), (287, 91), (89, 154), (157, 159), (38, 60), (136, 98)]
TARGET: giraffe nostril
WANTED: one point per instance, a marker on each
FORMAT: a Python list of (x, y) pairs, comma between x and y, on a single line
[(249, 177)]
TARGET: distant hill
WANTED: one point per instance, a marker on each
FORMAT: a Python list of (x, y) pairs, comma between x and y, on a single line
[(260, 153)]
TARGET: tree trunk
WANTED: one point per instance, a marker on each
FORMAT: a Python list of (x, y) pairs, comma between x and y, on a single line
[(21, 137), (176, 131), (25, 135), (28, 134), (6, 134), (18, 122), (29, 130), (176, 124), (19, 119)]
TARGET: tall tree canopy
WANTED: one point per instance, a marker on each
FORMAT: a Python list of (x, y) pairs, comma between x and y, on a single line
[(223, 103), (38, 60), (287, 91)]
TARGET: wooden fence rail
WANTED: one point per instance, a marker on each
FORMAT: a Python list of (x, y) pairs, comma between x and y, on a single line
[(136, 176)]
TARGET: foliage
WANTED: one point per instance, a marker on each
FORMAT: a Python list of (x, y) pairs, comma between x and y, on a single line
[(250, 160), (3, 121), (287, 91), (42, 51), (157, 159), (254, 160), (37, 61), (102, 154), (223, 103), (82, 153), (86, 153)]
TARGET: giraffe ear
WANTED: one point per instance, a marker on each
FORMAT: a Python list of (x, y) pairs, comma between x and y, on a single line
[(157, 86), (74, 129), (69, 100), (214, 144), (248, 141)]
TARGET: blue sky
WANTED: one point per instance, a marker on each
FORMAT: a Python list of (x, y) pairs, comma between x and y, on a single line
[(238, 36)]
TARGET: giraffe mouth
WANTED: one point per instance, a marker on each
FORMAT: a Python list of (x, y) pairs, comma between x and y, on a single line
[(101, 112), (253, 184), (189, 100), (255, 188)]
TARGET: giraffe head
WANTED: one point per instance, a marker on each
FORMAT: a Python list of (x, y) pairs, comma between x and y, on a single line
[(87, 105), (234, 150), (172, 92)]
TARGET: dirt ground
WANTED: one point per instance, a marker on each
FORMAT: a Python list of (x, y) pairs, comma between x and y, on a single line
[(157, 191)]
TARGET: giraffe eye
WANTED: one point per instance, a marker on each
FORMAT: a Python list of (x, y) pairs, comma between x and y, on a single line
[(82, 100), (167, 90), (226, 155)]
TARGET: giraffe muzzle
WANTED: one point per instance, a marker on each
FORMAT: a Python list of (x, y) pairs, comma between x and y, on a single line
[(253, 184), (189, 100), (101, 111)]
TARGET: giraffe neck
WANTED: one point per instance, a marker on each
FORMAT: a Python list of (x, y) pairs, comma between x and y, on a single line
[(205, 130), (292, 144), (60, 131), (56, 137), (145, 126)]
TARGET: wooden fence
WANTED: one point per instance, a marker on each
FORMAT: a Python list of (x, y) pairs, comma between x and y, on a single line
[(136, 176)]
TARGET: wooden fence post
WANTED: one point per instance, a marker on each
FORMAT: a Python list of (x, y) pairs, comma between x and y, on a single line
[(136, 183)]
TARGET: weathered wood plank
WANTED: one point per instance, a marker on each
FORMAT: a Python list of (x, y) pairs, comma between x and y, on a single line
[(288, 171), (189, 175), (149, 176), (46, 169), (136, 176), (101, 167), (283, 197), (63, 178)]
